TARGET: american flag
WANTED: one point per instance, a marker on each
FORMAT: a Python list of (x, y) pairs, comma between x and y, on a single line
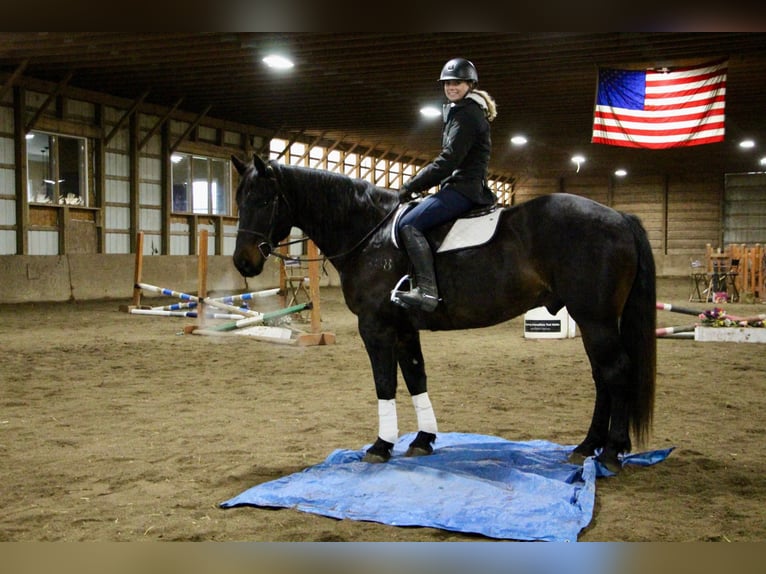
[(660, 108)]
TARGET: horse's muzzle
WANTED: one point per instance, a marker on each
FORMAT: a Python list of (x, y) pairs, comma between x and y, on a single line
[(249, 261)]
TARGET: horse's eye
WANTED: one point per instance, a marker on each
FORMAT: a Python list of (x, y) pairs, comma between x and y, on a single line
[(259, 200)]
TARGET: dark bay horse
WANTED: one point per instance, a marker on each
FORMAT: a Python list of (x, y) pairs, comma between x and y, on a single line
[(554, 251)]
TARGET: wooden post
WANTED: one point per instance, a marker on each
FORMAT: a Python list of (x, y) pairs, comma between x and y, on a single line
[(283, 287), (202, 277), (316, 315), (316, 336), (138, 269)]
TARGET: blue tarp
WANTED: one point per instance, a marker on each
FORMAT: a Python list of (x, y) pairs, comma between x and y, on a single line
[(472, 483)]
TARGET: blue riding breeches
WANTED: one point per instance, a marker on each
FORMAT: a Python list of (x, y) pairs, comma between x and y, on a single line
[(443, 206)]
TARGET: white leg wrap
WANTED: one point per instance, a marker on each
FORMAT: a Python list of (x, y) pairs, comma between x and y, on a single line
[(387, 423), (424, 412)]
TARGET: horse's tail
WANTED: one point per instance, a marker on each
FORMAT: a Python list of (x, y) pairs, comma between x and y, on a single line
[(638, 333)]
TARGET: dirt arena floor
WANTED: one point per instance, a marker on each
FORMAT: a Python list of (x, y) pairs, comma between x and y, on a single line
[(117, 427)]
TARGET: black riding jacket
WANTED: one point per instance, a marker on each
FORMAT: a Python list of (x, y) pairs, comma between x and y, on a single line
[(464, 159)]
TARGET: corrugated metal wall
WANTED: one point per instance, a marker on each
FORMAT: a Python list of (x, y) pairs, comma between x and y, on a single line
[(744, 217)]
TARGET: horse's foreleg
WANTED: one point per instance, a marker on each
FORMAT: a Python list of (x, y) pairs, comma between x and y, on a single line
[(379, 342), (410, 357)]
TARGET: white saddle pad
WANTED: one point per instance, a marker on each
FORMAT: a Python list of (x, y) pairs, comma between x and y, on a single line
[(470, 231), (465, 232)]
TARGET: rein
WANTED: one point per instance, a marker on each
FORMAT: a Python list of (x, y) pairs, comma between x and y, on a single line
[(267, 249)]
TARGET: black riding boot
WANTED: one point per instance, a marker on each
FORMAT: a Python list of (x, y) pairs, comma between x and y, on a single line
[(424, 295)]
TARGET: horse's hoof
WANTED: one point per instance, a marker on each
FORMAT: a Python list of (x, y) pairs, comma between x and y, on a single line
[(378, 452), (419, 451), (421, 446), (375, 458), (577, 458), (611, 463)]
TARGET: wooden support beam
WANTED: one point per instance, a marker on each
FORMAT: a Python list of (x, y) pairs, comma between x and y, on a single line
[(372, 164), (387, 172), (159, 124), (189, 130), (327, 152), (125, 117), (51, 98), (289, 144), (311, 145), (13, 77), (21, 174), (267, 142)]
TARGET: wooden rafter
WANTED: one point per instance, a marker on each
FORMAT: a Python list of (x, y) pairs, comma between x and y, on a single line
[(51, 97), (159, 123), (191, 127), (13, 77), (125, 117)]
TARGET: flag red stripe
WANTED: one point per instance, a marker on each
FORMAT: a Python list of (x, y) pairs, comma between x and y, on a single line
[(628, 117), (665, 132), (663, 145)]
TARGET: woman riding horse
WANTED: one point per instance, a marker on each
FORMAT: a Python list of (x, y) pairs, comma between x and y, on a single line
[(460, 170)]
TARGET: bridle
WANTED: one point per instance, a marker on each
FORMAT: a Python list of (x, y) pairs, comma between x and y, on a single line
[(266, 248)]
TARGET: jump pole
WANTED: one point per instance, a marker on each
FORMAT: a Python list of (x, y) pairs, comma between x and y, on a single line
[(258, 319), (666, 331), (677, 309)]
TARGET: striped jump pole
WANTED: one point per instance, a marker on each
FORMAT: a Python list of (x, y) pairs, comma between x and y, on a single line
[(231, 308), (191, 314), (231, 299), (665, 331), (168, 292), (176, 306), (676, 309), (163, 313), (250, 321)]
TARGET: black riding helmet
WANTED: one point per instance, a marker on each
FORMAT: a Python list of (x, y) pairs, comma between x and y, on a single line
[(459, 69)]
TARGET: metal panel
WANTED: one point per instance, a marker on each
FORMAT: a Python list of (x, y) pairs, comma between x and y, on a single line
[(744, 218), (43, 242), (7, 212), (7, 242)]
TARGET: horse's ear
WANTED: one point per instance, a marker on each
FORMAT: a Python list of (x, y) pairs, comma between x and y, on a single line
[(239, 165), (260, 166)]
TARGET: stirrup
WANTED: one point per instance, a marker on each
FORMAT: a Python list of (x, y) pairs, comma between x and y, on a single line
[(416, 298), (397, 291)]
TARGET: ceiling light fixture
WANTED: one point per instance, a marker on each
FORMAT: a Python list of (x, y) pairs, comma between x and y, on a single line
[(430, 112), (278, 62), (518, 140), (620, 173), (578, 159), (747, 144)]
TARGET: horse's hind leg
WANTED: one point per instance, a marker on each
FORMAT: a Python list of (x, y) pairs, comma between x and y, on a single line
[(610, 368), (409, 355)]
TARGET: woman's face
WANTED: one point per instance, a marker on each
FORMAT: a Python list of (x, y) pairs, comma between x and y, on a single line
[(456, 90)]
